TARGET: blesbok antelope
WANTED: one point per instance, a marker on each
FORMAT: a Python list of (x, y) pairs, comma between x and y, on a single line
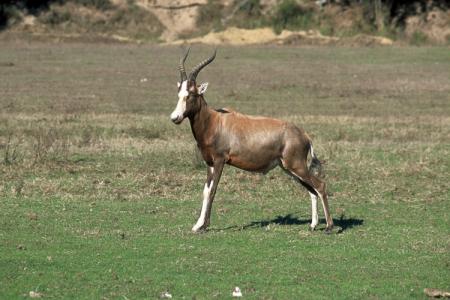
[(256, 144)]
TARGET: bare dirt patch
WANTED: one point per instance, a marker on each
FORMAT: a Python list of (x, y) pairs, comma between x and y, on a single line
[(177, 18), (237, 36)]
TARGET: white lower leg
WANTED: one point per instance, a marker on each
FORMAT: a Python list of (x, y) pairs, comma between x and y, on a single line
[(314, 214), (206, 194)]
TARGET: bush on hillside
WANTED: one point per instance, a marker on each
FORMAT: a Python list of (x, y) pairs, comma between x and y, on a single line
[(290, 14)]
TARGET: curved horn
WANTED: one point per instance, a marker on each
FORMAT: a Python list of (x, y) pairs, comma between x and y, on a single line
[(181, 65), (201, 65)]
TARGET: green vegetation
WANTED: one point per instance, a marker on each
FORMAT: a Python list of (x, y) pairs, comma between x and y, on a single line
[(418, 39), (99, 189), (88, 19), (210, 16), (336, 18), (99, 4), (10, 10), (249, 15), (418, 22), (130, 21), (290, 15)]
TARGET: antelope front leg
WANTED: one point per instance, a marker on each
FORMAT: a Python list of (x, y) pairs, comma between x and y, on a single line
[(209, 192), (314, 215)]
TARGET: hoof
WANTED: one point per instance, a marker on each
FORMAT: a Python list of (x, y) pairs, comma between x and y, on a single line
[(329, 230), (312, 228), (200, 229)]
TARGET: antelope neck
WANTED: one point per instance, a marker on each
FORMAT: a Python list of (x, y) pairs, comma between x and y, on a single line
[(201, 122)]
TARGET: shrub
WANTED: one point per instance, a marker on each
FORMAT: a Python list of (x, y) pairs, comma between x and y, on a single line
[(56, 17), (99, 4), (418, 38), (210, 15), (248, 14), (251, 8), (290, 15), (8, 14)]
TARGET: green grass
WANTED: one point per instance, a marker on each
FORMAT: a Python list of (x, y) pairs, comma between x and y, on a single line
[(99, 190)]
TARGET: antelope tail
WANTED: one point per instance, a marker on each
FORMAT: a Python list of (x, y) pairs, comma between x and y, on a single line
[(316, 166)]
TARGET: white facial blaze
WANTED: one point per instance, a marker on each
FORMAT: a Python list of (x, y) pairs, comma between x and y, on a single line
[(206, 195), (181, 105), (314, 215)]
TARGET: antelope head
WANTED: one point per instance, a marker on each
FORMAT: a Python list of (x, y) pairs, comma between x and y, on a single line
[(189, 93)]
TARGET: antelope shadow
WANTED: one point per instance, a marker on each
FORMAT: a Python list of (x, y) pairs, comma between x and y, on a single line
[(341, 224)]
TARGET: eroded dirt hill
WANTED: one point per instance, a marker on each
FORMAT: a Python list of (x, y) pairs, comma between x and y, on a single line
[(217, 21)]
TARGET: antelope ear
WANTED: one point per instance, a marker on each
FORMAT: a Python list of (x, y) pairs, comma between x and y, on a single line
[(202, 88), (178, 84)]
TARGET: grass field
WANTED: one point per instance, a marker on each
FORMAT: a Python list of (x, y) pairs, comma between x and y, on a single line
[(99, 190)]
